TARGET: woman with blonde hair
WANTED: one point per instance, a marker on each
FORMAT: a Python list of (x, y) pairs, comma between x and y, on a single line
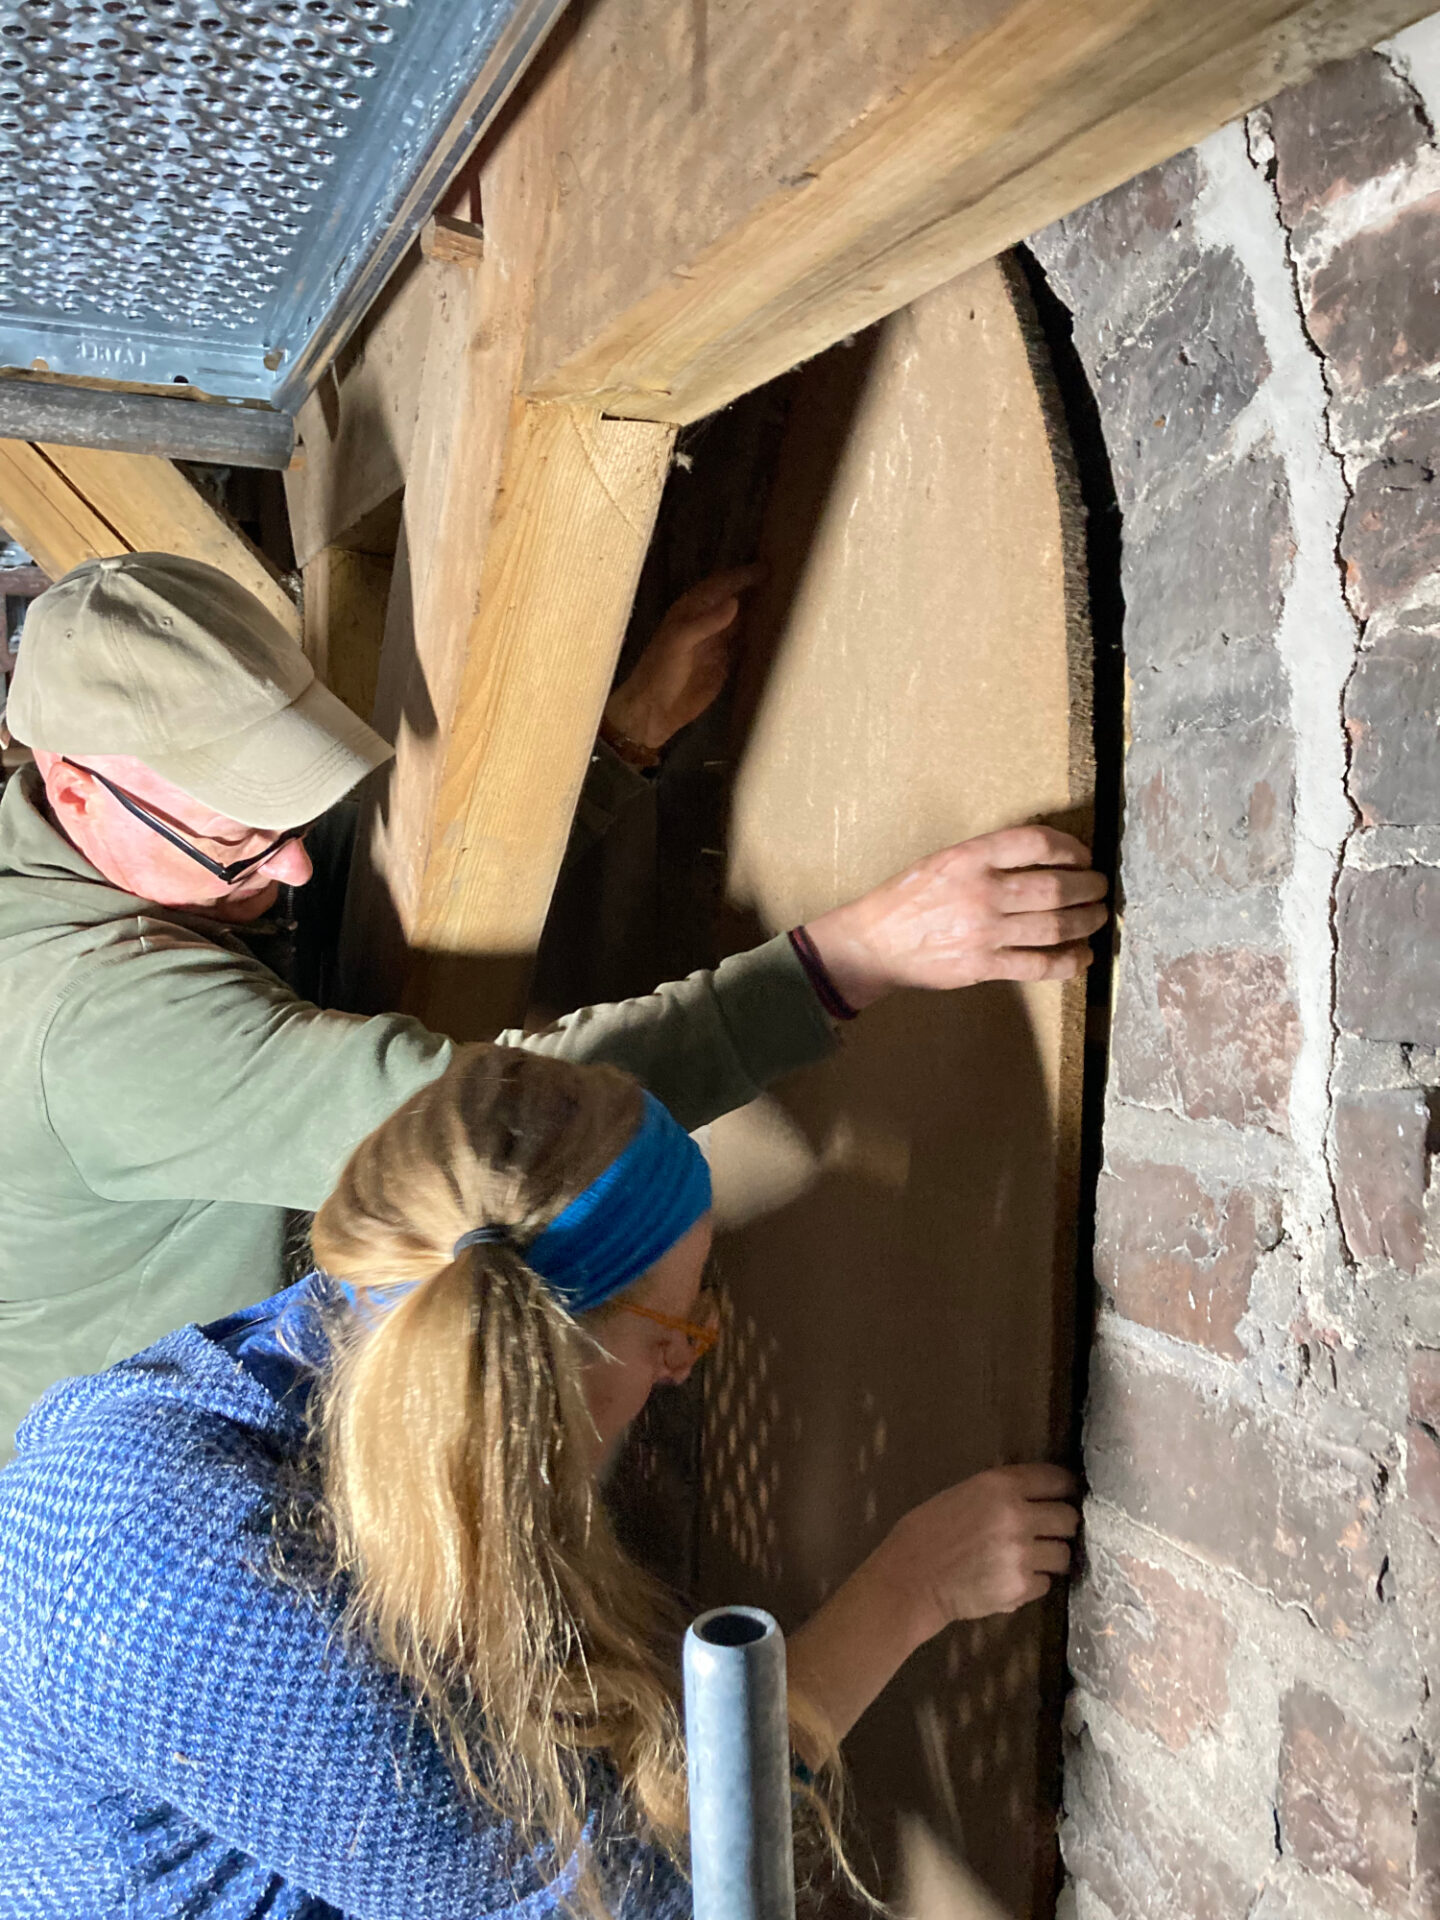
[(316, 1611)]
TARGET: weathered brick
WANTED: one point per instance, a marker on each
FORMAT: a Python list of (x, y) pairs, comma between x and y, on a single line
[(1213, 808), (1387, 981), (1422, 1448), (1380, 1173), (1141, 1067), (1143, 1863), (1111, 260), (1154, 1650), (1356, 119), (1177, 1257), (1392, 712), (1346, 1800), (1201, 599), (1427, 1840), (1172, 391), (1374, 307), (1390, 535), (1234, 1033), (1291, 1513)]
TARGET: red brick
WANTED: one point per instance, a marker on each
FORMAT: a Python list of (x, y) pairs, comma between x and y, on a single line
[(1346, 1800), (1392, 714), (1387, 975), (1154, 1650), (1294, 1515), (1380, 1167), (1234, 1033), (1422, 1436), (1374, 307), (1177, 1257), (1390, 535), (1355, 120)]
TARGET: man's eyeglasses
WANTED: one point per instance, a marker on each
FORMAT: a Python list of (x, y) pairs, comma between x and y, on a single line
[(226, 873)]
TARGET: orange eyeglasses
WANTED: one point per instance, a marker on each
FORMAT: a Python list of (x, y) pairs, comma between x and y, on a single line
[(702, 1337)]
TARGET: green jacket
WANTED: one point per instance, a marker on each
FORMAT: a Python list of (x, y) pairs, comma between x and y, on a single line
[(166, 1099)]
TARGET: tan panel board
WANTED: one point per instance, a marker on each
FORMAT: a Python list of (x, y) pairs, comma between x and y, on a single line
[(345, 596), (805, 184), (903, 1321), (356, 428), (155, 509), (575, 511), (40, 509)]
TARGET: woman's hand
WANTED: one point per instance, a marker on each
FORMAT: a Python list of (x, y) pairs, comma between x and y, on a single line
[(685, 665), (989, 1545)]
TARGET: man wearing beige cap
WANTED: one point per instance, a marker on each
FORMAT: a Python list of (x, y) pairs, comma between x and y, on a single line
[(168, 1098)]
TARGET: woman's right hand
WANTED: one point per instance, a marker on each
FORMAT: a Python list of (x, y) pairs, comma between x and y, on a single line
[(988, 1545)]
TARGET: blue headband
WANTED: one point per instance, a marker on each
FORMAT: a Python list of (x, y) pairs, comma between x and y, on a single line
[(623, 1222)]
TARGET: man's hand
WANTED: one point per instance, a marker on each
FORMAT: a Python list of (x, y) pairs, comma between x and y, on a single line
[(685, 665), (1019, 904)]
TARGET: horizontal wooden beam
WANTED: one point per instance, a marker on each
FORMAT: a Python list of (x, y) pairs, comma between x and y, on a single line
[(223, 433), (710, 236)]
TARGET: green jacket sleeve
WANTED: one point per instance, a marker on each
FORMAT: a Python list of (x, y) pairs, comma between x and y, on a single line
[(610, 789), (707, 1044), (177, 1069)]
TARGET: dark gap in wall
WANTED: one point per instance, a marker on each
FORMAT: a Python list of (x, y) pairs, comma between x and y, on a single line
[(644, 904), (1103, 553), (253, 499)]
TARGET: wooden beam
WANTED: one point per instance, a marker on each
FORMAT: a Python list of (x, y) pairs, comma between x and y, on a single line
[(712, 235), (151, 507), (460, 446), (445, 237), (69, 504), (576, 507), (356, 428), (345, 597), (40, 509)]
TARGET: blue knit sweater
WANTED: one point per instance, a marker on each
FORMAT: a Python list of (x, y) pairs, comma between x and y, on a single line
[(182, 1734)]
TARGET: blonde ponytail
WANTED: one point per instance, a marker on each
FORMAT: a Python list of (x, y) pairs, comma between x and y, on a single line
[(456, 1457)]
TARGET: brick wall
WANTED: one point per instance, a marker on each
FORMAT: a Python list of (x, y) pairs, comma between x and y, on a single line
[(1255, 1635)]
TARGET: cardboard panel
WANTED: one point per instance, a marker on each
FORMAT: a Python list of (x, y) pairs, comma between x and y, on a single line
[(900, 1292)]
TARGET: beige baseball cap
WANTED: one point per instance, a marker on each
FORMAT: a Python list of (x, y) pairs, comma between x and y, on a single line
[(178, 665)]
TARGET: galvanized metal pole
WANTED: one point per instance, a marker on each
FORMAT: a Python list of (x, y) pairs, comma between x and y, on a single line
[(117, 421), (742, 1851)]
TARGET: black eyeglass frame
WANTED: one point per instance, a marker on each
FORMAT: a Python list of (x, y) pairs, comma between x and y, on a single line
[(227, 874)]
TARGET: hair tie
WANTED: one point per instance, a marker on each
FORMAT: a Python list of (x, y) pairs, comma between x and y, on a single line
[(492, 1236)]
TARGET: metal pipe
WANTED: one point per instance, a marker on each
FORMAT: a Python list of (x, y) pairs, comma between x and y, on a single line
[(742, 1850), (116, 420)]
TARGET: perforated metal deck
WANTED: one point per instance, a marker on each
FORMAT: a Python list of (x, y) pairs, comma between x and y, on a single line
[(213, 190)]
